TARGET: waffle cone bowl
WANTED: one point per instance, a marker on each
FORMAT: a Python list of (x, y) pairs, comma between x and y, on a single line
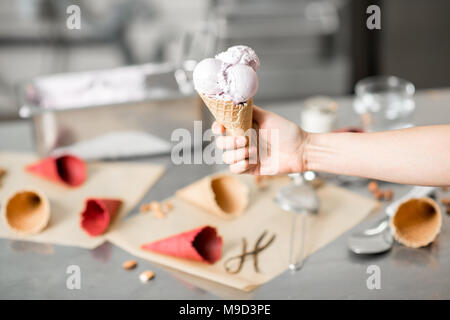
[(417, 222), (26, 211), (236, 118)]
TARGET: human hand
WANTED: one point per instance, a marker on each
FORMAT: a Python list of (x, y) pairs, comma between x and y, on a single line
[(282, 140)]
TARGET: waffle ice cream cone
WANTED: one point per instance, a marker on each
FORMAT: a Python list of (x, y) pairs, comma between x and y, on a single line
[(26, 211), (223, 195), (201, 244), (236, 118), (417, 222)]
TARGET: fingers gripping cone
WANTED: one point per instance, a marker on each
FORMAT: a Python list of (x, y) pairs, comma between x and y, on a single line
[(417, 222), (222, 195), (201, 244), (236, 118), (26, 211)]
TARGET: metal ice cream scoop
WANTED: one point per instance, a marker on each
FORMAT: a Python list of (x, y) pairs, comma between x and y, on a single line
[(298, 197)]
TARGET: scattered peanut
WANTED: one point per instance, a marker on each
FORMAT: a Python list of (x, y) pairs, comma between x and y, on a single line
[(155, 208), (372, 186), (379, 195), (167, 206), (129, 264), (446, 201), (145, 208), (146, 276), (388, 195)]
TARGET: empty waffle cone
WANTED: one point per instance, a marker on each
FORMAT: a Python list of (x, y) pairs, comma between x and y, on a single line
[(26, 211), (98, 214), (236, 118), (417, 222), (222, 195), (201, 244), (67, 169)]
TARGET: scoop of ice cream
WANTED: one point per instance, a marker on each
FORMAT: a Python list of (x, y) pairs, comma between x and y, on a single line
[(240, 55), (206, 76), (242, 82), (231, 76)]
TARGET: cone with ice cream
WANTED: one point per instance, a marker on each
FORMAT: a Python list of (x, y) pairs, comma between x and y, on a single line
[(227, 84)]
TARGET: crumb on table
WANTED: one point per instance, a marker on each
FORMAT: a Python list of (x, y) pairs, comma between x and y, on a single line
[(146, 276), (167, 206), (129, 264), (156, 209)]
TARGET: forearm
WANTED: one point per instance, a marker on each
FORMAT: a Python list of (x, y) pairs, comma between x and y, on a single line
[(419, 156)]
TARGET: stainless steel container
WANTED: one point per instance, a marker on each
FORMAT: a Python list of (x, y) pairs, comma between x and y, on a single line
[(68, 109)]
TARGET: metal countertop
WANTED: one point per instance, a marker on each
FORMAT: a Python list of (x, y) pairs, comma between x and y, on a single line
[(32, 271)]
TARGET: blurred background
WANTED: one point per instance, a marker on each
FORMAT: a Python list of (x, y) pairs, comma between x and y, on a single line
[(307, 47)]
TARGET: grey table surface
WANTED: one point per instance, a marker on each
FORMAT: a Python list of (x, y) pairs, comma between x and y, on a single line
[(39, 271)]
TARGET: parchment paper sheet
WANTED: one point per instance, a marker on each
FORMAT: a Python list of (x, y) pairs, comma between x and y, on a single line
[(340, 210), (126, 181)]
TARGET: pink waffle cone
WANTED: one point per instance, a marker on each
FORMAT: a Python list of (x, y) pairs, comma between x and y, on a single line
[(98, 215), (201, 244), (66, 169)]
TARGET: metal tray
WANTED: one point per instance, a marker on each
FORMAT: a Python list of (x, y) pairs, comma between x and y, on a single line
[(73, 108)]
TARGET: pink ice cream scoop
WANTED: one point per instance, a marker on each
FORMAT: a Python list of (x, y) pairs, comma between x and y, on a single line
[(240, 55), (229, 76)]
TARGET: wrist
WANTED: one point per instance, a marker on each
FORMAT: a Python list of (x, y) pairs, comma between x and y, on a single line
[(306, 152), (313, 153), (301, 163)]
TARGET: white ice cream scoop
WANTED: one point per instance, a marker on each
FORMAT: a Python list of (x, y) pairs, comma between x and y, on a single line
[(242, 82), (206, 76)]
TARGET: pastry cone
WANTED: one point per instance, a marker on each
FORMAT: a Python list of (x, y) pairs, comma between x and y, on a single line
[(98, 215), (67, 169), (417, 222), (223, 195), (236, 118), (26, 211), (201, 244)]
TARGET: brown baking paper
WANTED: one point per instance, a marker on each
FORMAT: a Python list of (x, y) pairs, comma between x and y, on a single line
[(126, 181), (340, 210)]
